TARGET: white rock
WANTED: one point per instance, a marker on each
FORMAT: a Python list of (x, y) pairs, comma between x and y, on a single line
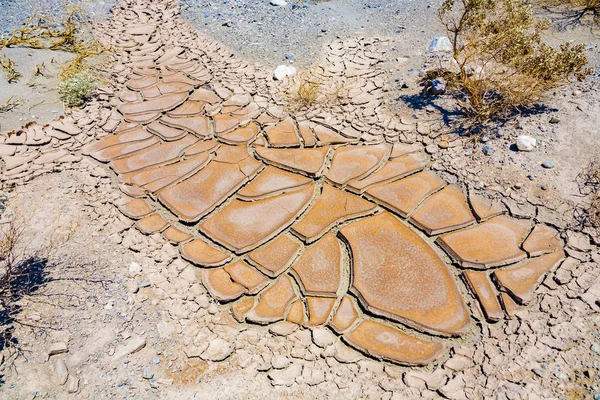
[(282, 71), (134, 344), (218, 350), (62, 372), (526, 143), (279, 3), (323, 337), (57, 348), (441, 43), (73, 385)]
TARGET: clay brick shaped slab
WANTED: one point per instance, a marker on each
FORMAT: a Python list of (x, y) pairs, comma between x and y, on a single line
[(543, 239), (201, 147), (241, 307), (327, 212), (345, 316), (242, 226), (308, 161), (391, 171), (136, 209), (319, 309), (133, 135), (144, 118), (132, 191), (404, 196), (143, 82), (388, 343), (155, 155), (198, 195), (491, 244), (480, 284), (319, 269), (246, 276), (202, 254), (165, 132), (306, 134), (509, 305), (220, 285), (241, 135), (296, 313), (175, 236), (355, 162), (156, 178), (198, 125), (444, 211), (397, 274), (151, 224), (283, 134), (522, 281), (273, 302), (159, 104), (484, 207), (123, 149), (272, 181), (276, 256)]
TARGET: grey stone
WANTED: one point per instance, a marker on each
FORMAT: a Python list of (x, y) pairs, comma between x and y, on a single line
[(134, 345), (548, 164), (62, 372), (73, 384), (438, 86), (439, 44)]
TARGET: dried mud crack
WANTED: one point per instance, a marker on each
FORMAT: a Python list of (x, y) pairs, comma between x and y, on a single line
[(251, 251)]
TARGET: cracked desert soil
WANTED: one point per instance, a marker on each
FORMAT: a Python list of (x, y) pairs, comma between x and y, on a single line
[(200, 236)]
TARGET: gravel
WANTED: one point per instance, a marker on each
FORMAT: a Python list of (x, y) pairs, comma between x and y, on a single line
[(266, 33), (16, 12)]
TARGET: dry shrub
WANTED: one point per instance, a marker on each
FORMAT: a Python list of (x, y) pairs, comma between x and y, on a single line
[(310, 89), (501, 61), (8, 65)]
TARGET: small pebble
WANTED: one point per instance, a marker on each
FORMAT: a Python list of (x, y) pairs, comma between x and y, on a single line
[(487, 150), (518, 185), (548, 164), (554, 120)]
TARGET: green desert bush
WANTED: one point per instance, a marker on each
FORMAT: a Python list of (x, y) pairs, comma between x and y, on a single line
[(75, 90), (500, 60)]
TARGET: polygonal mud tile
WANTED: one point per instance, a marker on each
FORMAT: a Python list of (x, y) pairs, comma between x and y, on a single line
[(319, 309), (273, 302), (543, 239), (397, 274), (197, 125), (144, 118), (201, 147), (326, 213), (306, 134), (445, 210), (276, 256), (508, 304), (132, 190), (123, 149), (403, 149), (220, 285), (175, 236), (187, 109), (155, 155), (482, 287), (283, 134), (203, 254), (226, 122), (309, 161), (271, 181), (388, 343), (484, 207), (241, 135), (355, 162), (242, 226), (159, 104), (319, 270), (131, 135), (205, 95), (491, 244), (151, 224), (296, 313), (142, 82), (166, 132), (156, 178), (391, 171), (246, 276), (161, 88), (328, 136), (201, 193), (136, 209), (522, 281), (241, 308), (404, 196), (345, 316)]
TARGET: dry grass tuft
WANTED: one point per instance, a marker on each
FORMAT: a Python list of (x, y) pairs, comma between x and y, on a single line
[(8, 65), (501, 62), (310, 89)]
